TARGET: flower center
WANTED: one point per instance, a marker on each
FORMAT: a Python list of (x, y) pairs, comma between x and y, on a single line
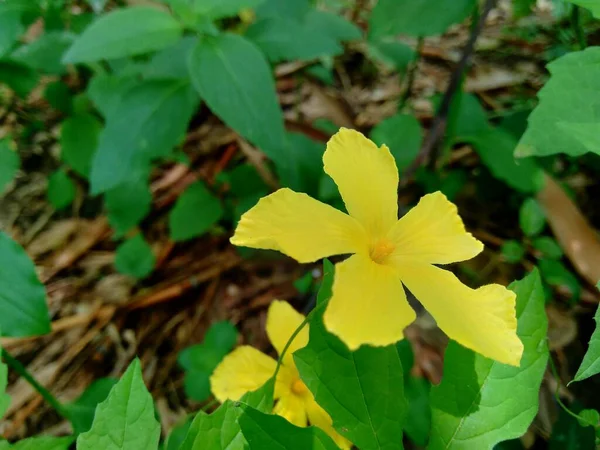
[(298, 387), (381, 250)]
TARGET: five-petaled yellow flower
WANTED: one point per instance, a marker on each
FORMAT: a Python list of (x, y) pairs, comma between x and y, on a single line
[(369, 305), (246, 369)]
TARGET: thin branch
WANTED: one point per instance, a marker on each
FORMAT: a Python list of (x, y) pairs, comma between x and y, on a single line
[(440, 121)]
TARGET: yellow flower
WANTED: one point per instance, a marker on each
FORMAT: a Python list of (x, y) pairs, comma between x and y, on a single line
[(246, 369), (369, 305)]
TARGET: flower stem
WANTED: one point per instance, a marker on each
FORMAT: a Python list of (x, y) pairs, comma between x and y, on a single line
[(16, 365)]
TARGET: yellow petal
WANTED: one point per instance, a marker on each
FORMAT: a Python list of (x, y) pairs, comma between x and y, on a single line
[(300, 227), (291, 407), (282, 321), (367, 178), (483, 319), (432, 232), (318, 417), (245, 369), (368, 305)]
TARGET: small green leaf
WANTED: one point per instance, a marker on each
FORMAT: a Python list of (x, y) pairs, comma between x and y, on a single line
[(416, 17), (149, 120), (81, 411), (471, 119), (216, 9), (532, 218), (135, 257), (41, 443), (590, 365), (264, 431), (589, 418), (568, 434), (217, 431), (285, 39), (106, 91), (61, 189), (125, 32), (367, 404), (22, 295), (59, 97), (45, 53), (308, 159), (335, 26), (513, 251), (567, 108), (556, 274), (403, 136), (18, 77), (548, 246), (125, 420), (127, 204), (239, 88), (11, 26), (481, 402), (79, 140), (393, 54), (9, 164), (194, 213)]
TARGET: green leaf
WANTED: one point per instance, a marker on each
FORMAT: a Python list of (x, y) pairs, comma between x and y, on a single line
[(22, 295), (548, 246), (125, 32), (127, 204), (147, 123), (11, 26), (418, 419), (367, 404), (332, 25), (177, 435), (194, 213), (296, 9), (81, 411), (416, 17), (393, 54), (59, 96), (171, 62), (481, 402), (200, 360), (61, 189), (513, 251), (217, 431), (9, 164), (403, 135), (568, 434), (262, 398), (4, 397), (592, 5), (569, 106), (283, 39), (106, 91), (270, 431), (135, 257), (78, 140), (18, 77), (590, 365), (532, 218), (41, 443), (45, 53), (125, 420), (556, 274), (522, 8), (471, 119), (239, 88), (589, 418), (216, 9), (495, 148), (308, 160)]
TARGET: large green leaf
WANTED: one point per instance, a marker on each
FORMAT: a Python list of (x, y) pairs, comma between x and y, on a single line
[(332, 25), (217, 431), (235, 80), (9, 163), (79, 140), (592, 5), (568, 109), (39, 443), (146, 123), (125, 32), (416, 17), (107, 91), (125, 420), (282, 38), (81, 411), (194, 213), (403, 135), (590, 365), (268, 431), (22, 295), (367, 403), (45, 53), (481, 402)]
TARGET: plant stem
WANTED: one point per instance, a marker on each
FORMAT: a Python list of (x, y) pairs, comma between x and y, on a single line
[(410, 75), (577, 27), (16, 365)]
